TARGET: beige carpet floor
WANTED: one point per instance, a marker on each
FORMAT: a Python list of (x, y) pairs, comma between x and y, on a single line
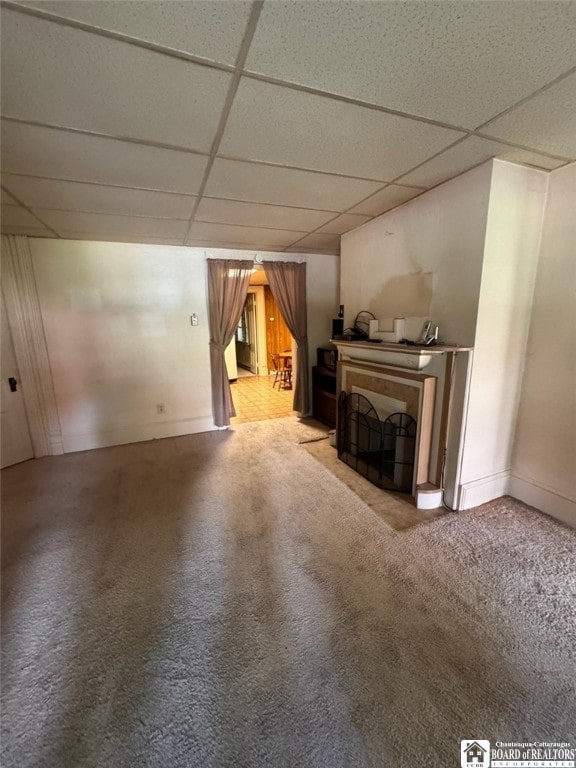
[(396, 509), (223, 600)]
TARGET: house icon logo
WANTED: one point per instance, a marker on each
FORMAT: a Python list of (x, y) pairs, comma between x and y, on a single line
[(474, 754)]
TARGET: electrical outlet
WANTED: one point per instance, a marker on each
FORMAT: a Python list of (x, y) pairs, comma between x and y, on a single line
[(161, 408)]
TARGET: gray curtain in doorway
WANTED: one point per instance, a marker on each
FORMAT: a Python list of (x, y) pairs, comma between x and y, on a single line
[(227, 288), (287, 282)]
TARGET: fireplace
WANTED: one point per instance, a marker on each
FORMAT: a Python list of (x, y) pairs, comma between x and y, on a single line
[(416, 380), (382, 451), (385, 421)]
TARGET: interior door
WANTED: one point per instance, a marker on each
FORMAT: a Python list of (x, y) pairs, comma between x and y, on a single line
[(252, 331), (16, 445)]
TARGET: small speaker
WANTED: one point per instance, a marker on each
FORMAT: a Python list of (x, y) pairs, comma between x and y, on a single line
[(337, 327)]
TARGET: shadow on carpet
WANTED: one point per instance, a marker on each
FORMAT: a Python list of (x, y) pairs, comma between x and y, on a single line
[(398, 510)]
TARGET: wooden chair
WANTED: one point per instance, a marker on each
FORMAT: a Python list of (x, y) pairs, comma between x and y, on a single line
[(282, 372), (288, 368)]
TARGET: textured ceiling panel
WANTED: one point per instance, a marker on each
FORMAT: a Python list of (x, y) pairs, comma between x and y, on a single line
[(320, 241), (523, 156), (15, 215), (38, 231), (117, 238), (546, 122), (343, 223), (255, 214), (288, 160), (277, 124), (460, 62), (460, 158), (214, 31), (6, 199), (308, 249), (385, 199), (74, 196), (104, 224), (27, 149), (105, 86), (284, 186), (242, 236)]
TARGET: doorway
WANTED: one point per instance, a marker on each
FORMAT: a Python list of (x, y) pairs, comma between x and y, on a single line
[(16, 443), (261, 333), (251, 346)]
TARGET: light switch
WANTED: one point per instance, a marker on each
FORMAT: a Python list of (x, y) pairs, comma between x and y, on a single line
[(194, 319)]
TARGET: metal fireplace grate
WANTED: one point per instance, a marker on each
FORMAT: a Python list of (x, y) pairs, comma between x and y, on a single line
[(381, 451)]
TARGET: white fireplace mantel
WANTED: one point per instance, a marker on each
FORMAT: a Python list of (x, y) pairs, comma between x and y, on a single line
[(413, 358)]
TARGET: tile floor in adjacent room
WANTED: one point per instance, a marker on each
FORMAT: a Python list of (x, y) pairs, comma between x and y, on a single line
[(255, 399)]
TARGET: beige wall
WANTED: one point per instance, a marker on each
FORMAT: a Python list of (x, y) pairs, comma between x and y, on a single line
[(423, 258), (511, 248), (544, 461), (120, 342)]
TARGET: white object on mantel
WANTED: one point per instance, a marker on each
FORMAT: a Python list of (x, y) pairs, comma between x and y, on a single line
[(395, 329)]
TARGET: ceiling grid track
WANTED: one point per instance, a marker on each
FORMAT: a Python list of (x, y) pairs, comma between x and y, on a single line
[(240, 61)]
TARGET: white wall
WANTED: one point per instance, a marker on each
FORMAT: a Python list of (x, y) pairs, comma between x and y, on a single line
[(544, 460), (117, 324), (423, 258), (512, 244)]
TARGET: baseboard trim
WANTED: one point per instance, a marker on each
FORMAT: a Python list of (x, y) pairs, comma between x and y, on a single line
[(484, 489), (545, 499), (136, 434)]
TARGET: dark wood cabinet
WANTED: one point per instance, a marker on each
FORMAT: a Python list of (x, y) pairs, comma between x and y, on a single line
[(324, 395)]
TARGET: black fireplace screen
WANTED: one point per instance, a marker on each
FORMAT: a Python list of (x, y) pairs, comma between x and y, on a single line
[(382, 451)]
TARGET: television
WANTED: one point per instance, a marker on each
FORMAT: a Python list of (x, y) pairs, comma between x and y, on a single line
[(327, 357)]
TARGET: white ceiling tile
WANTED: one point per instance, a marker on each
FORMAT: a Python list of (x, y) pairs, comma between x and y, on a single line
[(327, 251), (97, 198), (106, 86), (15, 215), (98, 236), (28, 149), (241, 236), (455, 62), (231, 246), (285, 186), (470, 152), (256, 214), (6, 198), (322, 241), (213, 30), (546, 122), (105, 224), (387, 198), (280, 125), (524, 157), (459, 62), (14, 229), (344, 223)]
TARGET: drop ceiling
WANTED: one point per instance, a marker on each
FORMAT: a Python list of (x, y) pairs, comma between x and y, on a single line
[(268, 126)]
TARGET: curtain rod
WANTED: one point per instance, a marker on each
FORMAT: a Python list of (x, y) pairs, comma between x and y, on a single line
[(258, 260)]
